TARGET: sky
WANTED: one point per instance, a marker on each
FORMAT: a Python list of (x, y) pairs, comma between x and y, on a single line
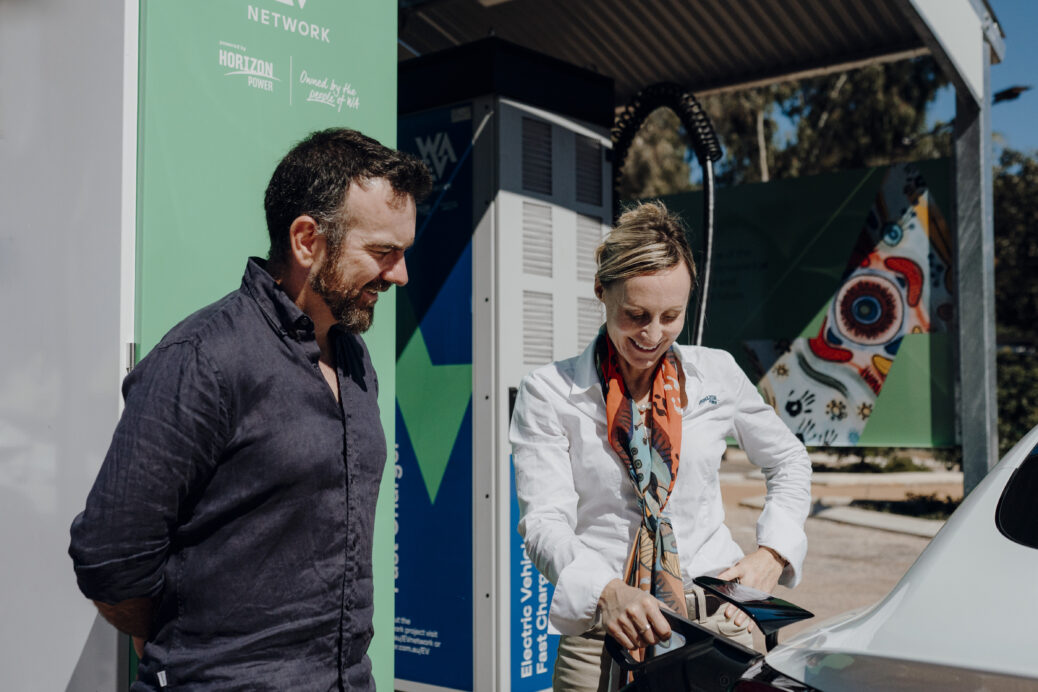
[(1013, 123)]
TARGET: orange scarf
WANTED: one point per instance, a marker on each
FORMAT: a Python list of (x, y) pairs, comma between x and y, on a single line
[(653, 561)]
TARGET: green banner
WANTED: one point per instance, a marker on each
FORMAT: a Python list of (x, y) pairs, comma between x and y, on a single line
[(226, 88)]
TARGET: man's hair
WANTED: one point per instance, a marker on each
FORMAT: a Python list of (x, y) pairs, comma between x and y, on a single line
[(314, 177), (646, 239)]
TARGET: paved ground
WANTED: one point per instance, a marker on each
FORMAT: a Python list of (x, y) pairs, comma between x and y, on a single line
[(847, 566)]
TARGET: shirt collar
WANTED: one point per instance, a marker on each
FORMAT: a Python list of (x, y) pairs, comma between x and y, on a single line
[(280, 310), (585, 377)]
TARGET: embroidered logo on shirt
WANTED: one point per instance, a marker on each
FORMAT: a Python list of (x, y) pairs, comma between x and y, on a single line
[(708, 399)]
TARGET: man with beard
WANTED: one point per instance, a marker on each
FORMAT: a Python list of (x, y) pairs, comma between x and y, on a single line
[(229, 530)]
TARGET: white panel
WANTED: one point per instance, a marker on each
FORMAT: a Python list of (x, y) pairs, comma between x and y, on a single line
[(538, 316), (63, 158), (956, 27), (590, 316), (538, 253), (490, 505), (589, 237)]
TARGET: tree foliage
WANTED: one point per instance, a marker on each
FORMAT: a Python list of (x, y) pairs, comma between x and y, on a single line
[(1016, 294), (1017, 396), (749, 132), (864, 117), (1015, 186), (658, 159)]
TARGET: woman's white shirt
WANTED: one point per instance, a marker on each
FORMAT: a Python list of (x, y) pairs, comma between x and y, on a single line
[(578, 509)]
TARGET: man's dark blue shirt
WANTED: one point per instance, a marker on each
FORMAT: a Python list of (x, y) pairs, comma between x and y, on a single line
[(240, 495)]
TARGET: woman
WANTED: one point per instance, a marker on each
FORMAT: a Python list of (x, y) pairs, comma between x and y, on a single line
[(616, 459)]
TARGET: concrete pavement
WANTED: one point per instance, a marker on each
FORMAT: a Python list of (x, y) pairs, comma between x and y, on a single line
[(833, 493), (837, 509), (854, 556)]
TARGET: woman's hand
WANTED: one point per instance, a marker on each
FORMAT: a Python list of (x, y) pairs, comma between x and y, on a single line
[(759, 570), (632, 616)]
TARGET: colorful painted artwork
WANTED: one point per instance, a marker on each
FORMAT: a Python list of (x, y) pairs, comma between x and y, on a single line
[(898, 282)]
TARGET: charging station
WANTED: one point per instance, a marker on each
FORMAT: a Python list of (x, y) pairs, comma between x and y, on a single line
[(501, 281)]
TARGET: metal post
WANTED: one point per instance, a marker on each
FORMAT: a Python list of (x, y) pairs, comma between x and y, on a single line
[(974, 228)]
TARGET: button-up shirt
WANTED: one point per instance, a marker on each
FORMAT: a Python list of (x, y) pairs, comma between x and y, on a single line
[(579, 510), (240, 495)]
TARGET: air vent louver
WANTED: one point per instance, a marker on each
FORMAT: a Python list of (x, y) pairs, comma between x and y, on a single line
[(538, 343), (537, 156), (589, 170), (537, 239)]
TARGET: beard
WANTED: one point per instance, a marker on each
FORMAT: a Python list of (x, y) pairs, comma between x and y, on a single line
[(344, 301)]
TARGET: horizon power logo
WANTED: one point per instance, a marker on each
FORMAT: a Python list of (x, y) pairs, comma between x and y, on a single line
[(259, 73), (437, 152), (289, 24)]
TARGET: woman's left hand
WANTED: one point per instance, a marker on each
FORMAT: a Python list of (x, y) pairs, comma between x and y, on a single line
[(759, 570)]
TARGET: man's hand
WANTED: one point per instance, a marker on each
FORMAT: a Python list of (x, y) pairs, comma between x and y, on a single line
[(759, 570), (132, 616), (632, 616)]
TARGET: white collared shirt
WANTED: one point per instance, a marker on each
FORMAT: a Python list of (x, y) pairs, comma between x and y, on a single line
[(578, 509)]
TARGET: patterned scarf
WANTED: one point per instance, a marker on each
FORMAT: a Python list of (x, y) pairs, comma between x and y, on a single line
[(652, 466)]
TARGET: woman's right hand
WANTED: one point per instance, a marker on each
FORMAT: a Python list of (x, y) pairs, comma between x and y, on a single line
[(632, 616)]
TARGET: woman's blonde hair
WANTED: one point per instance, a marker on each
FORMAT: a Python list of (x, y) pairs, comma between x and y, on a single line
[(646, 239)]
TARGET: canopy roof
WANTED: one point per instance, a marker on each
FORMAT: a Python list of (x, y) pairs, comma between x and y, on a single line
[(705, 45)]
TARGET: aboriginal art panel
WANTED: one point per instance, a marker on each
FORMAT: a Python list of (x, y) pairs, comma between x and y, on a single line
[(898, 282), (836, 295)]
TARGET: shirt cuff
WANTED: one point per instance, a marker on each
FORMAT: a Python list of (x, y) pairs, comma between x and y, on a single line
[(576, 594), (101, 576), (786, 537)]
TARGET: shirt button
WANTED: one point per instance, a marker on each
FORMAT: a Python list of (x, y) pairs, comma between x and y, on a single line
[(304, 327)]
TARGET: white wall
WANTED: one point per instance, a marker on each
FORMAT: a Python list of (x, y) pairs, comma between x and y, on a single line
[(62, 220)]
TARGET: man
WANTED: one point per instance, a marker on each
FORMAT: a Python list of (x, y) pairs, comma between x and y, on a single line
[(230, 527)]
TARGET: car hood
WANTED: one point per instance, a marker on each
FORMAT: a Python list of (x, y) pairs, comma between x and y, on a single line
[(969, 603)]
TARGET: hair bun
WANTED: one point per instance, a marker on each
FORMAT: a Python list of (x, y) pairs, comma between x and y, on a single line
[(646, 238)]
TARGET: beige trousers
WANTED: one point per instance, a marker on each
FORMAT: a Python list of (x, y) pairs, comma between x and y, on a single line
[(582, 663)]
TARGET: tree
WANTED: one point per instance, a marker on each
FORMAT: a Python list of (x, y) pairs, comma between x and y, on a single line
[(1017, 376), (747, 127), (864, 117), (658, 159), (1016, 294), (1015, 187)]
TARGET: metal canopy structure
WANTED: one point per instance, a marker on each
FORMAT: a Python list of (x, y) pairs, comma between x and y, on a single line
[(705, 45), (714, 45)]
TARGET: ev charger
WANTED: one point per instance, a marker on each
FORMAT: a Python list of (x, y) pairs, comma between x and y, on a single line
[(501, 281)]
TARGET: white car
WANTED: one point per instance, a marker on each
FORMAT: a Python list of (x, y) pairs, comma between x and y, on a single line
[(963, 617)]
